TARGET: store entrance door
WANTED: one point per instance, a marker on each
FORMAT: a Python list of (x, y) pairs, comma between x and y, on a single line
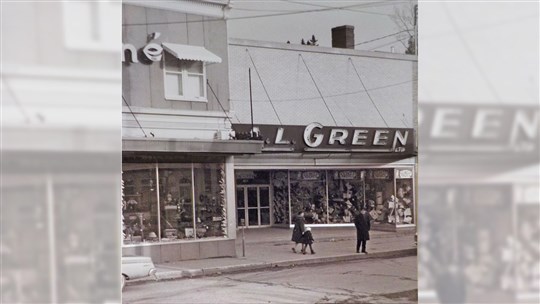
[(253, 205)]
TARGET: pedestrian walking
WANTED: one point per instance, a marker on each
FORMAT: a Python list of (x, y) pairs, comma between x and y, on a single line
[(298, 231), (307, 239), (363, 225)]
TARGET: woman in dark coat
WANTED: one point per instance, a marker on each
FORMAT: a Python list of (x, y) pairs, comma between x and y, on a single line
[(298, 231), (363, 225)]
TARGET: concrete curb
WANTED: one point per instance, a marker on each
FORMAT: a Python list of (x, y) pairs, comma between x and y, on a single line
[(327, 239), (214, 271)]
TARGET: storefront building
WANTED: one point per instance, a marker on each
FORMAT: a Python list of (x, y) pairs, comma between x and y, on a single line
[(480, 200), (338, 127), (178, 170)]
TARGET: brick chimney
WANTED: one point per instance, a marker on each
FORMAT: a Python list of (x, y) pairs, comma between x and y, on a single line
[(343, 37)]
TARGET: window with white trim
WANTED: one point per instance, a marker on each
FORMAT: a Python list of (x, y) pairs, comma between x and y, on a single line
[(184, 79)]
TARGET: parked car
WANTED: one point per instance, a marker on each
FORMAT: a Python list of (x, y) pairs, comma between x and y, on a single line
[(134, 267)]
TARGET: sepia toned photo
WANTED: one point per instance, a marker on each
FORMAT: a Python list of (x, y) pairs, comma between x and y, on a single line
[(269, 151), (264, 169)]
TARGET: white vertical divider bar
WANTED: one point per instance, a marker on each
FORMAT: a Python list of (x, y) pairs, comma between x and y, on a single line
[(158, 203), (230, 192), (193, 201), (52, 239)]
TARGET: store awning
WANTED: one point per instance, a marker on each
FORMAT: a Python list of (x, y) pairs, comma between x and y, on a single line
[(191, 52), (192, 146)]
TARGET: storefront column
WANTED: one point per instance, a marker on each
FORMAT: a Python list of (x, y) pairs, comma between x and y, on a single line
[(231, 199)]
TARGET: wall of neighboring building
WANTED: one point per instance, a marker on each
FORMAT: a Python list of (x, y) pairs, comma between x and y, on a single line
[(143, 84), (285, 74)]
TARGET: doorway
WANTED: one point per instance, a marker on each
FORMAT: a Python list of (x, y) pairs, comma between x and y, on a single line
[(253, 206)]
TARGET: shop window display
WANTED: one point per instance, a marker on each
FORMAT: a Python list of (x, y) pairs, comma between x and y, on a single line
[(176, 201), (379, 193), (346, 194), (140, 203), (404, 202), (190, 198), (210, 207), (308, 194), (280, 184)]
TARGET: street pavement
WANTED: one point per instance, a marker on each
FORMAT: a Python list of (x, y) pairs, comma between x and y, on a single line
[(270, 248), (392, 281)]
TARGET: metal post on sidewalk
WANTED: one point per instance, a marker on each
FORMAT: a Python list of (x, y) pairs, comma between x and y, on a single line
[(243, 222)]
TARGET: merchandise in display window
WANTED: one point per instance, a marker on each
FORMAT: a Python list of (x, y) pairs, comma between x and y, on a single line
[(308, 194), (176, 201), (379, 193), (280, 184), (140, 203), (405, 202), (210, 207), (188, 198), (346, 194)]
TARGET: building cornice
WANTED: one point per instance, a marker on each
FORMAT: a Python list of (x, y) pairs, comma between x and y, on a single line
[(209, 8), (319, 49)]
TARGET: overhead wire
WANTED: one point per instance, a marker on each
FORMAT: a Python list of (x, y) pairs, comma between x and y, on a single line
[(127, 104), (264, 87), (379, 38), (332, 95), (471, 54), (318, 90), (256, 16), (367, 92), (387, 43), (219, 102), (381, 3)]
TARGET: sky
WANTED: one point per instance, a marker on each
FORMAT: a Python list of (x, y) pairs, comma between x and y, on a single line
[(292, 20), (458, 40)]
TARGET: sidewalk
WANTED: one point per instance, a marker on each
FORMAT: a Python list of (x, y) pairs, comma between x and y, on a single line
[(268, 248)]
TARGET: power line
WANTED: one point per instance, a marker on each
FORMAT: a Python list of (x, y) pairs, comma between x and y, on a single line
[(257, 16), (471, 54), (348, 9), (382, 37), (133, 115), (388, 43), (317, 87), (333, 95), (222, 108), (264, 87), (16, 101), (367, 92)]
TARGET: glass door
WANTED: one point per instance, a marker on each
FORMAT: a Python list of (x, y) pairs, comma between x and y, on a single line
[(253, 206)]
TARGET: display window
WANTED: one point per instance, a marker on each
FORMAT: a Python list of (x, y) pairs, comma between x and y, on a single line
[(140, 209), (210, 207), (172, 202), (346, 190), (381, 202), (405, 204), (176, 201), (280, 199), (330, 196), (308, 194)]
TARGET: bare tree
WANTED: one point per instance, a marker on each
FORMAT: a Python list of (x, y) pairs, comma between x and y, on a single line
[(405, 17)]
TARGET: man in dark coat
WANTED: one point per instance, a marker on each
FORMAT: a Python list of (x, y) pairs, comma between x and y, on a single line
[(363, 225), (298, 231)]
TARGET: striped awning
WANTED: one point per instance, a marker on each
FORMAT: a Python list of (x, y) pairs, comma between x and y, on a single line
[(191, 52)]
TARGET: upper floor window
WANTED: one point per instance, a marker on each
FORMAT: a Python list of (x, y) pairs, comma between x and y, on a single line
[(184, 68), (184, 79)]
